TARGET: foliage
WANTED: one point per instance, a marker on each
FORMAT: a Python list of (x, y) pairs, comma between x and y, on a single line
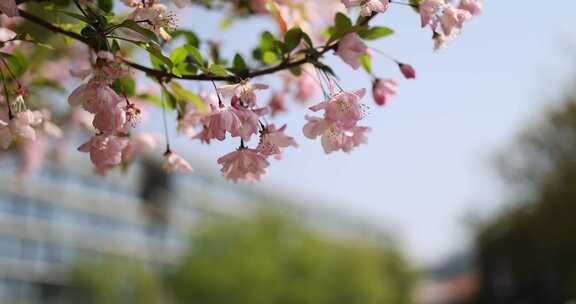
[(268, 259), (531, 242)]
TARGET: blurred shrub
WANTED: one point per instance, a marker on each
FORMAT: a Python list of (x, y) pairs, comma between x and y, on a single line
[(261, 260), (527, 253)]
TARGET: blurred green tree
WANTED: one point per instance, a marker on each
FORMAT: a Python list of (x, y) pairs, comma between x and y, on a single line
[(270, 259), (526, 254), (263, 259)]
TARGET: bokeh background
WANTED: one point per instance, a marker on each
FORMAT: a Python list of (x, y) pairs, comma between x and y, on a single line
[(463, 195)]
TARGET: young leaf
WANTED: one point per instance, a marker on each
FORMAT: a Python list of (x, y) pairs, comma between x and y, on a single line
[(217, 70), (192, 50), (376, 32), (187, 96), (132, 25), (366, 63), (342, 22), (155, 51), (292, 38)]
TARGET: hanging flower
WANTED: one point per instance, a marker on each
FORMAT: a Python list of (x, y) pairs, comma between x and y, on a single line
[(243, 164)]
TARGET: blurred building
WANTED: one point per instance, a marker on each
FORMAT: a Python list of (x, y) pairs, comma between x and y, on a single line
[(65, 213), (454, 281)]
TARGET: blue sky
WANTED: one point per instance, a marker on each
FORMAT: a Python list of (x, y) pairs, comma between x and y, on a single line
[(428, 162)]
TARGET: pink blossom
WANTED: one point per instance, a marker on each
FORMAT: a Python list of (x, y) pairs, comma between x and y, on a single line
[(9, 7), (21, 127), (354, 137), (32, 154), (407, 70), (243, 164), (277, 103), (474, 7), (307, 84), (383, 90), (453, 19), (343, 107), (110, 119), (350, 49), (175, 163), (105, 151), (333, 136), (223, 119), (428, 10), (249, 124), (140, 144), (94, 96), (243, 90), (274, 140), (368, 6)]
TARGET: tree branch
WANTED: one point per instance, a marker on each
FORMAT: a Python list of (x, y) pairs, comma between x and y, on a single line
[(167, 75)]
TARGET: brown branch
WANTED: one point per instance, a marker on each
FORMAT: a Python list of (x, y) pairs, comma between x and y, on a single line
[(167, 75)]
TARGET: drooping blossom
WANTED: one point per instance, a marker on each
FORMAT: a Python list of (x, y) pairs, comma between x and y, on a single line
[(277, 103), (221, 120), (9, 7), (175, 163), (32, 154), (407, 70), (342, 107), (243, 164), (274, 140), (250, 122), (140, 144), (110, 119), (350, 49), (48, 127), (474, 7), (192, 116), (383, 90), (367, 7), (21, 126), (428, 10), (105, 151), (453, 19), (243, 90), (332, 136), (155, 17)]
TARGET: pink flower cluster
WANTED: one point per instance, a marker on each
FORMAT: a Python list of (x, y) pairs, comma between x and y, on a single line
[(441, 13), (240, 118), (111, 118), (338, 129)]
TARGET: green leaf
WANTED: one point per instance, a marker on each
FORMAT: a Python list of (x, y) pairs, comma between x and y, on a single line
[(292, 38), (267, 41), (342, 22), (376, 32), (132, 25), (78, 17), (192, 50), (156, 51), (190, 37), (415, 5), (270, 58), (239, 63), (187, 96), (366, 63), (106, 5), (17, 62), (169, 101), (125, 86), (217, 70), (178, 55)]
